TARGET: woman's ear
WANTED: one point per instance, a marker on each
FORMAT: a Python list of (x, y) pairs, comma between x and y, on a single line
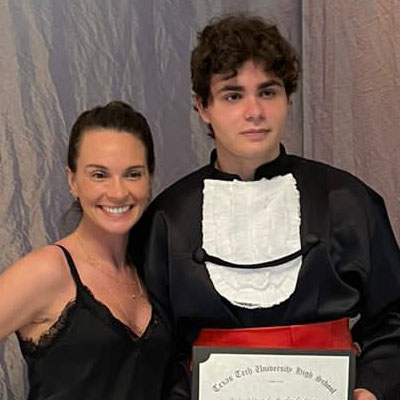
[(71, 182)]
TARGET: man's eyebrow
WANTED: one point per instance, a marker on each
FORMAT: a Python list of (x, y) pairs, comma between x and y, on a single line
[(271, 82), (233, 88), (240, 88)]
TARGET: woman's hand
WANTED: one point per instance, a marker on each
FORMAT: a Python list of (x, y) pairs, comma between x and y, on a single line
[(364, 394)]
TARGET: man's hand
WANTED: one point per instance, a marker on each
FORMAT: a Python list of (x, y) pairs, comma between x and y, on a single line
[(364, 394)]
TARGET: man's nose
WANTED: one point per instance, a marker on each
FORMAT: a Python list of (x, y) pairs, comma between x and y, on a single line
[(254, 110)]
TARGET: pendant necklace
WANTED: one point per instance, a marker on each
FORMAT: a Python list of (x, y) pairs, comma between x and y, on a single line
[(95, 263), (141, 301)]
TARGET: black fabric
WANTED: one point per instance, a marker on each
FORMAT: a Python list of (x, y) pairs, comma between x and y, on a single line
[(92, 355), (353, 270)]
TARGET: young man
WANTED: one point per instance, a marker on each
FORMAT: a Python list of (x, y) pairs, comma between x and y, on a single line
[(322, 237)]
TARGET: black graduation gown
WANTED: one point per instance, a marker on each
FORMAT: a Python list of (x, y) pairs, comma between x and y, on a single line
[(353, 270)]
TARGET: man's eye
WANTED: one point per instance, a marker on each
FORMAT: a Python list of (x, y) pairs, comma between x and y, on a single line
[(232, 96), (268, 93)]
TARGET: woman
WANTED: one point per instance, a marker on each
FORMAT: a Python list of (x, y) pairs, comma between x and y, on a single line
[(79, 307)]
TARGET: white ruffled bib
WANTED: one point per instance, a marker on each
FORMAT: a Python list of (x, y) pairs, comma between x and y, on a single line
[(251, 223)]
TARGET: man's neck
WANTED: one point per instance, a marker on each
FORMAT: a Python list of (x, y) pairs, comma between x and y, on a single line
[(246, 172), (244, 168)]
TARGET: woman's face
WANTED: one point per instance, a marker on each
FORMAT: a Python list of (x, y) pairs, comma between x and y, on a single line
[(112, 180)]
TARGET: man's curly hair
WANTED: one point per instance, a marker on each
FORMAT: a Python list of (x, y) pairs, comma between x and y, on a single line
[(227, 43)]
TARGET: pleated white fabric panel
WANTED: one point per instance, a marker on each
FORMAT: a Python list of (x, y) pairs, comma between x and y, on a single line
[(252, 223)]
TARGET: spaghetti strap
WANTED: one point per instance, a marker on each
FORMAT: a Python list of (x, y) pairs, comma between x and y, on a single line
[(71, 266)]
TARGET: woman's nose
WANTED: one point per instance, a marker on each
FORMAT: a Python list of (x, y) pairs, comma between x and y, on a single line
[(117, 189)]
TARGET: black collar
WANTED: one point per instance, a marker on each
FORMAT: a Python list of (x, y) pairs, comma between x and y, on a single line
[(279, 166)]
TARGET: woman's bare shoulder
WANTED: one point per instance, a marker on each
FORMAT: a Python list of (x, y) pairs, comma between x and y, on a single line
[(45, 266), (30, 286)]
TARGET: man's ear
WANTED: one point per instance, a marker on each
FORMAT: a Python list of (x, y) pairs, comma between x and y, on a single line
[(71, 181), (201, 109)]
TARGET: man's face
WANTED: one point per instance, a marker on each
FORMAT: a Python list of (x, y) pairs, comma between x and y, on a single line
[(247, 113)]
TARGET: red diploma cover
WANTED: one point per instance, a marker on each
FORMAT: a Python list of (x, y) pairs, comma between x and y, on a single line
[(310, 361), (333, 335)]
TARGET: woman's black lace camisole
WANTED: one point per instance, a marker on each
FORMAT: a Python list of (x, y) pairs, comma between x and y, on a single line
[(89, 354)]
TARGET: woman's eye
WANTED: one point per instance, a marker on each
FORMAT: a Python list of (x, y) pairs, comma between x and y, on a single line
[(98, 175), (134, 175)]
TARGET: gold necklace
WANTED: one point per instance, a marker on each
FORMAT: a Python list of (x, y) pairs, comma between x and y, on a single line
[(97, 264), (133, 327)]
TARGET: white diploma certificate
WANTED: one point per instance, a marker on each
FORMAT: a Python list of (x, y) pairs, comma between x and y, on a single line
[(265, 374)]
